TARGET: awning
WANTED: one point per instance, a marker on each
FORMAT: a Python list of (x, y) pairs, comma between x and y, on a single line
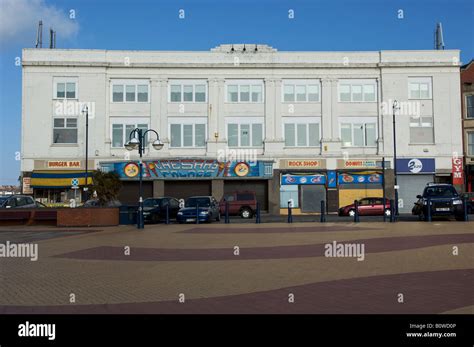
[(59, 179)]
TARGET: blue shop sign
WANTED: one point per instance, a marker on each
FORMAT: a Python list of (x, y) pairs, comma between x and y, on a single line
[(303, 179), (416, 166)]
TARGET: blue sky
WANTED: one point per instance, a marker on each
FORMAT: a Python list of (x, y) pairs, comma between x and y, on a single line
[(319, 25)]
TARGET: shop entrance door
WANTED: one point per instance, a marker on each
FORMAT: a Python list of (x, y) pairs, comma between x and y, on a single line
[(311, 196)]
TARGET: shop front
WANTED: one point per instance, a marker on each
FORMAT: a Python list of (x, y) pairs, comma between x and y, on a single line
[(359, 178), (182, 178), (57, 182), (412, 176), (304, 183)]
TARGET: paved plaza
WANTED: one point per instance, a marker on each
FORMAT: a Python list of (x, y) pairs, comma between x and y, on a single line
[(407, 267)]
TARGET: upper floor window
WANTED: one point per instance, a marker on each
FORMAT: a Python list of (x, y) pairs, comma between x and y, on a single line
[(130, 91), (65, 88), (357, 90), (421, 130), (358, 131), (470, 106), (65, 130), (245, 132), (188, 91), (470, 143), (121, 131), (187, 132), (244, 91), (302, 132), (419, 88), (301, 91)]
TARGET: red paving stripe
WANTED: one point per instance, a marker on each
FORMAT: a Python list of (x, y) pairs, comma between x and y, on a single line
[(295, 229), (376, 245), (424, 293)]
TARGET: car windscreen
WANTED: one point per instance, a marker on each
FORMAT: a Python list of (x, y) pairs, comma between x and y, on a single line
[(201, 202), (3, 200), (152, 202), (440, 192)]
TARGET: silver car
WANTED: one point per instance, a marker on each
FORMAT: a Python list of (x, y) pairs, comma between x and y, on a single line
[(18, 201)]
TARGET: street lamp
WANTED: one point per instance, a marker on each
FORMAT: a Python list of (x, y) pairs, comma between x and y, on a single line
[(394, 107), (85, 111), (137, 141)]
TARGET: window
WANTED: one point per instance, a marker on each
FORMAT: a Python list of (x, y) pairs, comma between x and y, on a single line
[(419, 88), (300, 91), (129, 91), (421, 130), (65, 89), (470, 106), (121, 133), (288, 192), (188, 134), (188, 91), (470, 143), (302, 133), (242, 133), (65, 130), (358, 132), (245, 91), (357, 91)]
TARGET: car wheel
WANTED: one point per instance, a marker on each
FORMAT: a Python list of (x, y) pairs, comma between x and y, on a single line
[(352, 213), (246, 213), (388, 212)]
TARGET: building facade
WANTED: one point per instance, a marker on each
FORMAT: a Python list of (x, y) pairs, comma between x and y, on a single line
[(305, 126), (467, 106)]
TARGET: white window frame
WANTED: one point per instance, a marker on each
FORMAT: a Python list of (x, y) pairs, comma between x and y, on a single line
[(358, 120), (301, 120), (419, 81), (240, 83), (182, 83), (188, 121), (57, 80), (466, 96), (469, 154), (65, 122), (244, 120), (126, 121), (300, 82), (358, 82), (124, 83)]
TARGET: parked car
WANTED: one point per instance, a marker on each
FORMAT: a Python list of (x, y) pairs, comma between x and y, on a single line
[(470, 202), (241, 203), (205, 208), (154, 209), (445, 201), (367, 207), (96, 203), (19, 201)]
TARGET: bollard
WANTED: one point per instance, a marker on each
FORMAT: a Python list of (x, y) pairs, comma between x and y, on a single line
[(428, 208), (384, 208), (323, 212), (290, 216), (466, 215), (257, 213), (167, 214), (356, 215), (226, 213), (392, 211), (197, 213)]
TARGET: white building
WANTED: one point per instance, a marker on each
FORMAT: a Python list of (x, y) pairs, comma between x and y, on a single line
[(330, 113)]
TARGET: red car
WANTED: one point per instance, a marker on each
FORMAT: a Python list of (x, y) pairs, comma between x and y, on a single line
[(241, 203), (367, 207)]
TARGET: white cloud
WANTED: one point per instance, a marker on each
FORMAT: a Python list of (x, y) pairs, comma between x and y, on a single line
[(19, 22)]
